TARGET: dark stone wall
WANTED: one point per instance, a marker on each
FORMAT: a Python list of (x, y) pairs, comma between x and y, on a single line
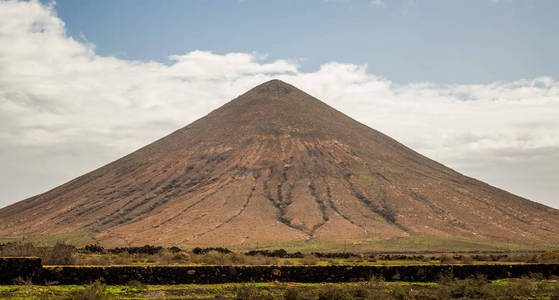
[(19, 269), (221, 274)]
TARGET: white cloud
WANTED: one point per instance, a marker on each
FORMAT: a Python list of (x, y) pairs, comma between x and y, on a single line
[(65, 110)]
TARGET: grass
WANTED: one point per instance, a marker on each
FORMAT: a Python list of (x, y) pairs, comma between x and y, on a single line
[(77, 238), (432, 243), (63, 254), (413, 243), (447, 288)]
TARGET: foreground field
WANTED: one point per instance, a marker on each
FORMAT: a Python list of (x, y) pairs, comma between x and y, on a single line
[(446, 288), (537, 286)]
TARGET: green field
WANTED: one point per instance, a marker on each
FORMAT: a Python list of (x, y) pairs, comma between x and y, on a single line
[(535, 287), (413, 243), (77, 238), (477, 288)]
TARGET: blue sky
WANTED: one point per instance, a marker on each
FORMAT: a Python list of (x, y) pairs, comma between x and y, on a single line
[(471, 84), (474, 41)]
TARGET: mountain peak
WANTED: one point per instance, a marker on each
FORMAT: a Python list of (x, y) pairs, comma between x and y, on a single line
[(274, 87), (277, 165)]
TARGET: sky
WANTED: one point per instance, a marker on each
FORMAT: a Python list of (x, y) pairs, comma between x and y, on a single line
[(471, 84)]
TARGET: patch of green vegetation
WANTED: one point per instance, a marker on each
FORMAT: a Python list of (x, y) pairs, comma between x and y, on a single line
[(9, 289), (412, 243), (76, 238), (447, 288), (96, 290), (433, 243), (293, 246)]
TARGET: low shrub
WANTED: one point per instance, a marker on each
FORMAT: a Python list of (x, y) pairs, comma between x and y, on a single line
[(136, 284), (217, 258), (334, 254), (20, 281), (335, 293), (293, 294), (20, 249), (94, 291), (467, 260), (549, 257), (121, 259), (472, 288), (250, 292), (517, 289), (147, 249), (399, 292), (310, 260), (281, 253), (362, 291), (447, 259), (175, 249), (94, 248), (60, 254), (222, 250), (181, 257), (376, 281)]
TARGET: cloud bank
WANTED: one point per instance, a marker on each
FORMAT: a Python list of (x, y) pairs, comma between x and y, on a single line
[(64, 110)]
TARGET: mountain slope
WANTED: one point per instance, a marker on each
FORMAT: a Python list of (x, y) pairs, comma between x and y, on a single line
[(277, 165)]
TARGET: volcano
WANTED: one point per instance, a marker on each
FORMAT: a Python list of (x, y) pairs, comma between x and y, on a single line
[(277, 165)]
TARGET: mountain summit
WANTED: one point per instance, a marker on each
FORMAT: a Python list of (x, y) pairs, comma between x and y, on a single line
[(277, 165)]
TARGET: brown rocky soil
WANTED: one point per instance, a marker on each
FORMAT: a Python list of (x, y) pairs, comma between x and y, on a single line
[(276, 165)]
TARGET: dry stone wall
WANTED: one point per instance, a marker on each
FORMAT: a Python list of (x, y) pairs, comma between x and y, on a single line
[(19, 269), (11, 269)]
